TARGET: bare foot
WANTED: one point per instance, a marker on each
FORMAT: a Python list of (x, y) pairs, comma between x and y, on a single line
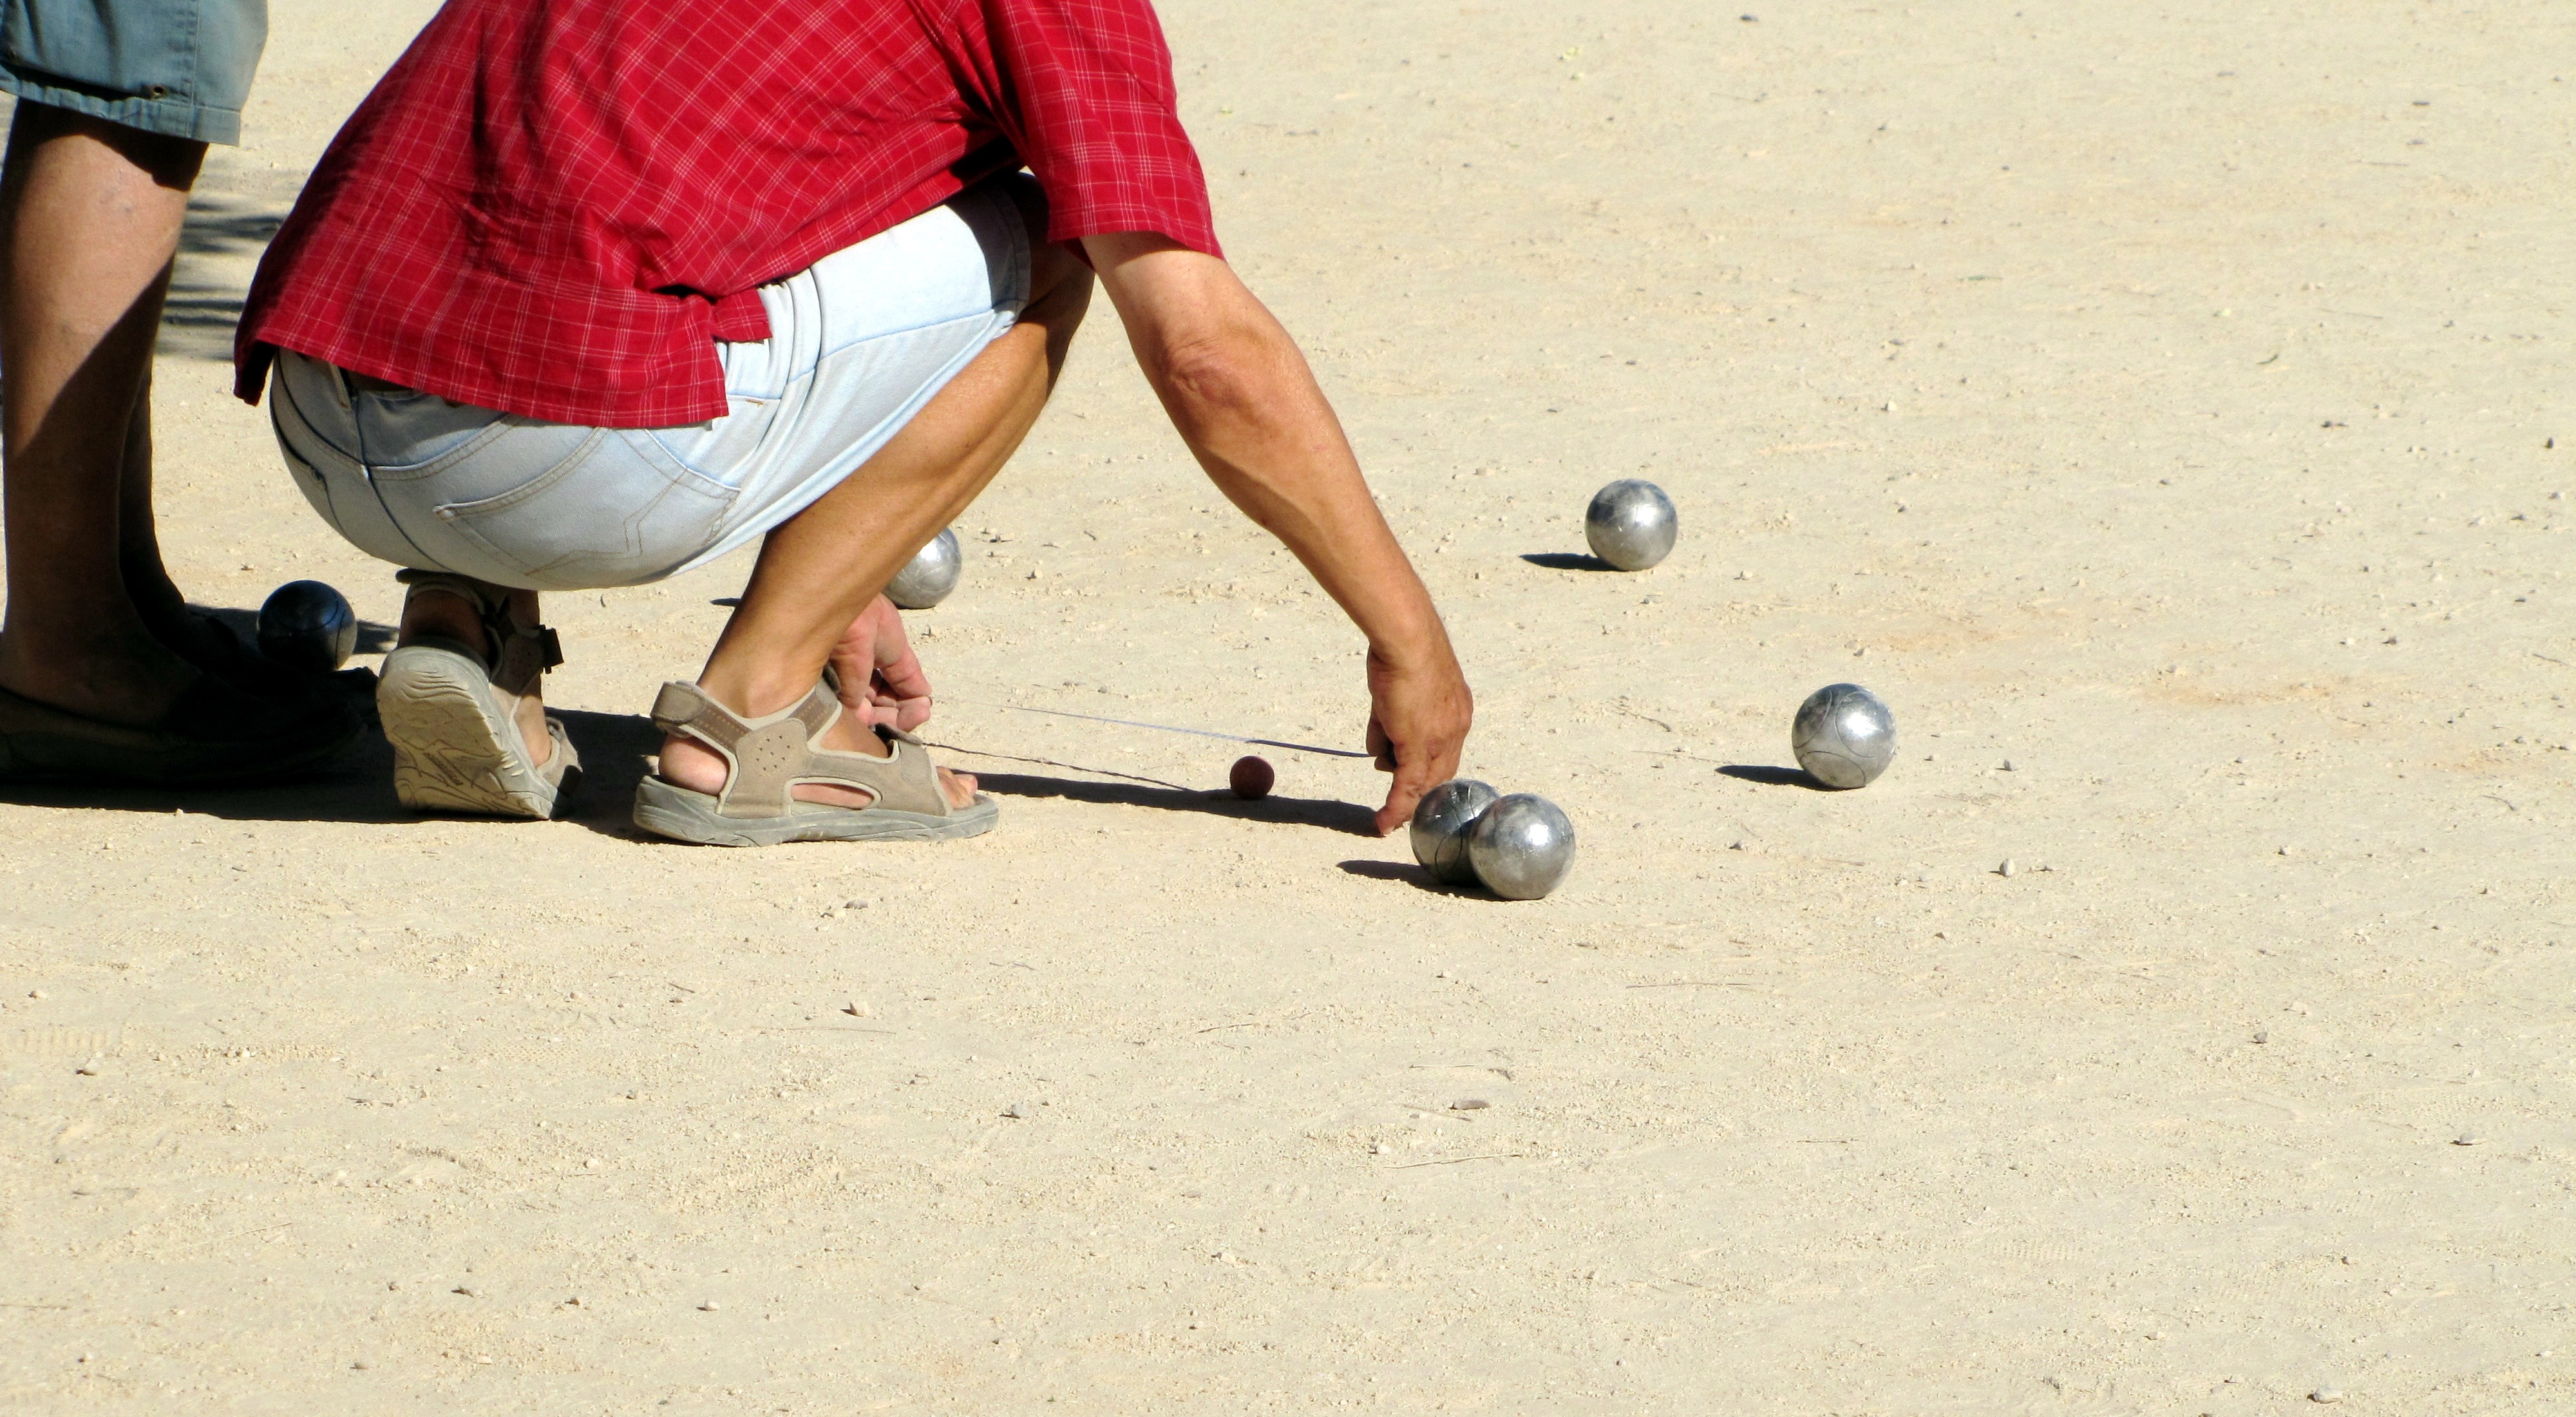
[(688, 763), (116, 673)]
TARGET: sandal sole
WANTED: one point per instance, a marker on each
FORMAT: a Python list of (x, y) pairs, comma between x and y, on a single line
[(450, 752), (682, 815)]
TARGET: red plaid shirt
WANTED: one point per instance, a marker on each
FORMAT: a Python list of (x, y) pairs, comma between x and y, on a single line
[(557, 207)]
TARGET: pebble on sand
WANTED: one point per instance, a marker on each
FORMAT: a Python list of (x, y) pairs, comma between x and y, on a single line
[(1015, 1111), (709, 1307), (2467, 1139), (2326, 1394), (1469, 1104), (2007, 868)]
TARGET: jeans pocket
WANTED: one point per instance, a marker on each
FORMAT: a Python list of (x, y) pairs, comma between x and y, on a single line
[(603, 516)]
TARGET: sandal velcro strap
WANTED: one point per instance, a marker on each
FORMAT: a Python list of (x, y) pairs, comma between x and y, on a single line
[(767, 757), (516, 655)]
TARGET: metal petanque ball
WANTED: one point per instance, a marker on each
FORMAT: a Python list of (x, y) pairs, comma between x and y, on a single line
[(1843, 736), (928, 578), (307, 625), (1440, 824), (1631, 524), (1521, 847)]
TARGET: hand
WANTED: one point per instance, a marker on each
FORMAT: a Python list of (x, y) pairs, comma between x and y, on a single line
[(1418, 720), (881, 681), (1244, 399)]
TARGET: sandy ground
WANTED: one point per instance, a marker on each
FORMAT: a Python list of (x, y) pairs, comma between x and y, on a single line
[(2155, 404)]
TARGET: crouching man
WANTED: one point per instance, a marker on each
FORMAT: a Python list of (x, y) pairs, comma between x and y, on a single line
[(588, 294)]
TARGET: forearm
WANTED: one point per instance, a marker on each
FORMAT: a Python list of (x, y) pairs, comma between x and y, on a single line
[(1244, 400), (1252, 414)]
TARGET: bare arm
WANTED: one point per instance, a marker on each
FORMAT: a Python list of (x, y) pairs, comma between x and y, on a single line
[(1240, 393)]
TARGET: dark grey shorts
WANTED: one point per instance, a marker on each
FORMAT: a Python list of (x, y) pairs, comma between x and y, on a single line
[(176, 67)]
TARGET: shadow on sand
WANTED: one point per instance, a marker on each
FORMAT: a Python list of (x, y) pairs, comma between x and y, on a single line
[(617, 751), (198, 320), (1567, 561), (1413, 876), (1348, 818), (1770, 776), (358, 786)]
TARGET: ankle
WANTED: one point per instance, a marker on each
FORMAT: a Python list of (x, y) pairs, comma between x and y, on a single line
[(429, 610), (154, 595), (757, 694)]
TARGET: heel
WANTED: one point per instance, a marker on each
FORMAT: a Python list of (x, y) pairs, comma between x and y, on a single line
[(453, 749)]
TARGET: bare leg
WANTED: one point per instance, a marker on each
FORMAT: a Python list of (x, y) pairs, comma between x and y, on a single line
[(164, 610), (822, 567), (89, 221)]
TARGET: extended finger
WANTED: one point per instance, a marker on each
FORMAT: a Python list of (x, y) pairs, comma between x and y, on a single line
[(1401, 797)]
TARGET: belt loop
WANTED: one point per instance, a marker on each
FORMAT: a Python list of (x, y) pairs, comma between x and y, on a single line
[(340, 386)]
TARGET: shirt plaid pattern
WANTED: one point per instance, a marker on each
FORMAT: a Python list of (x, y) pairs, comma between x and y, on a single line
[(556, 207)]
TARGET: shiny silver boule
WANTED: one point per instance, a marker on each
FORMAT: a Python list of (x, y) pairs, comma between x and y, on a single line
[(1440, 824), (307, 625), (928, 578), (1631, 524), (1521, 847), (1843, 736)]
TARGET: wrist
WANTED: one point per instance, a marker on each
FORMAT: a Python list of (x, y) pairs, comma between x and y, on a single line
[(1413, 648)]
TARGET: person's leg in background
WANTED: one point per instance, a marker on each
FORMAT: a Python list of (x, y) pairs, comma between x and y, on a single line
[(89, 222), (90, 212)]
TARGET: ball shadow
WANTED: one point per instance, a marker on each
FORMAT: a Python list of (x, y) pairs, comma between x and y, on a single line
[(1567, 561), (1348, 818), (1770, 776), (1413, 876)]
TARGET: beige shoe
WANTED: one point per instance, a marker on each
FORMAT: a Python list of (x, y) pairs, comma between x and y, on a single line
[(456, 742), (765, 757)]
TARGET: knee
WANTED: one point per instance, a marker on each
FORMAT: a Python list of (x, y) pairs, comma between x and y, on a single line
[(1059, 284)]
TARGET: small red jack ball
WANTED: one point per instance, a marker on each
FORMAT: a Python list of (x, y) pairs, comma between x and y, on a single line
[(1251, 778)]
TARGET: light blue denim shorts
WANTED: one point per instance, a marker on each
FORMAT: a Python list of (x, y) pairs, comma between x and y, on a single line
[(176, 67), (859, 342)]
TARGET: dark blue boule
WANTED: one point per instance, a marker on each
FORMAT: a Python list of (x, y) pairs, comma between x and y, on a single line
[(307, 625)]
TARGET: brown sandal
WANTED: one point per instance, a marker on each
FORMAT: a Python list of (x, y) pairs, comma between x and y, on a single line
[(766, 757)]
